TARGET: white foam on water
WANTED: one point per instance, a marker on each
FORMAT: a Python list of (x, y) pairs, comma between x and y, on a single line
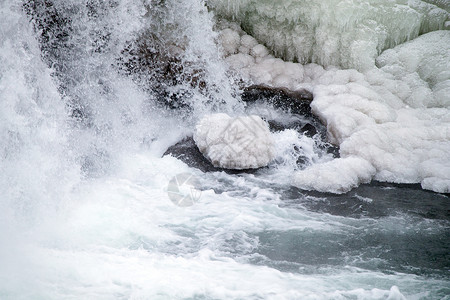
[(123, 237)]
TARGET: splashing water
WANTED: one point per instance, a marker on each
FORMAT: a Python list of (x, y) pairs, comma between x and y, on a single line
[(84, 205)]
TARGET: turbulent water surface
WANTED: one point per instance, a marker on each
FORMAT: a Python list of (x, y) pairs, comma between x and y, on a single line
[(92, 93)]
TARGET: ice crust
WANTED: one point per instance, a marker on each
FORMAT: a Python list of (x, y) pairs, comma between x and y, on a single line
[(392, 122), (350, 34), (235, 142), (337, 176)]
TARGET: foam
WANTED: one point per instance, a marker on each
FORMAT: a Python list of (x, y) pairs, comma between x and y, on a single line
[(394, 118), (234, 143)]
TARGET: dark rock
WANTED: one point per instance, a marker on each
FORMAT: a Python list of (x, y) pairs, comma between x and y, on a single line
[(332, 149), (302, 161), (276, 126), (154, 61), (53, 30), (186, 150), (309, 130), (148, 58), (296, 102)]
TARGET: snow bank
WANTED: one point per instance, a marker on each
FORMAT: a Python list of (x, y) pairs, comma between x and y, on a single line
[(392, 120), (349, 34), (235, 143)]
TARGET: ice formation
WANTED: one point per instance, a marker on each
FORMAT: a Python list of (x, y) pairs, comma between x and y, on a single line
[(392, 122), (337, 176), (235, 143), (341, 33), (425, 65), (254, 62)]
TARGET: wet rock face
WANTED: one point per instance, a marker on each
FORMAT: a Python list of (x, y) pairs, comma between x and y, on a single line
[(186, 150), (307, 129), (296, 102), (154, 61), (149, 58), (158, 64), (53, 30)]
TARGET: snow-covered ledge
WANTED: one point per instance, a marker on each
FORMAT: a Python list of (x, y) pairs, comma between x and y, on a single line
[(235, 143)]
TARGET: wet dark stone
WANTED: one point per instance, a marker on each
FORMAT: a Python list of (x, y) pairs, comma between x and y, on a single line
[(186, 150), (147, 57), (309, 130), (302, 160), (275, 126), (53, 30), (334, 150), (296, 102)]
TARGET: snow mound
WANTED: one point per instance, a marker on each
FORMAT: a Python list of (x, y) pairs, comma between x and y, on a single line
[(336, 176), (235, 143)]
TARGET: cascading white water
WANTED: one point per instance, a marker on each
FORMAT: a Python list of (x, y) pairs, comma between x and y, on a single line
[(33, 123), (84, 204)]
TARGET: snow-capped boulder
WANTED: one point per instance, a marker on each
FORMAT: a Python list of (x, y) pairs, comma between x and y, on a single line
[(235, 143)]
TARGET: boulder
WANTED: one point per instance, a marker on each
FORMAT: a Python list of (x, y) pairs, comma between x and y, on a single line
[(243, 142), (187, 151)]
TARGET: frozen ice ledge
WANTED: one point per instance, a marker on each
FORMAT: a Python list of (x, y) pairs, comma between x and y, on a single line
[(391, 121), (350, 34)]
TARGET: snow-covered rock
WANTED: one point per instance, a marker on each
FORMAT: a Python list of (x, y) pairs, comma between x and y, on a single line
[(235, 143), (394, 118)]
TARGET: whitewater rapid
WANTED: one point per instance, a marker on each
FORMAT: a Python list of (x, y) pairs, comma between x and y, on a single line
[(85, 206)]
